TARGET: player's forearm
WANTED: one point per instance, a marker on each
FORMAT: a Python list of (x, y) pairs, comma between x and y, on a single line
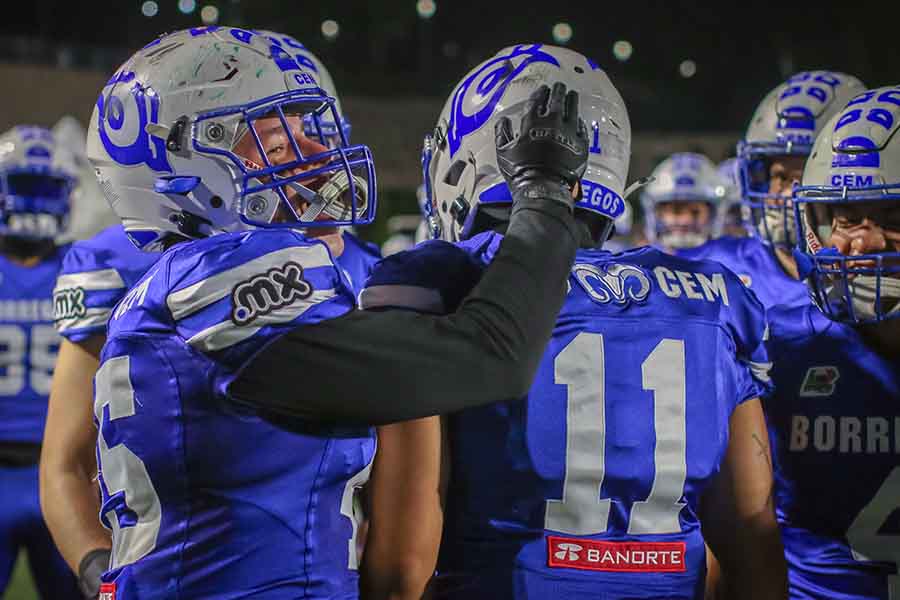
[(71, 508), (761, 573), (396, 579), (384, 367)]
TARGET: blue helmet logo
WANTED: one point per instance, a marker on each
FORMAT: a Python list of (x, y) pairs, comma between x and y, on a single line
[(115, 120), (486, 87)]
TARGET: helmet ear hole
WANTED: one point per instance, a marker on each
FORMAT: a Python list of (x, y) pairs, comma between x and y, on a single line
[(455, 172)]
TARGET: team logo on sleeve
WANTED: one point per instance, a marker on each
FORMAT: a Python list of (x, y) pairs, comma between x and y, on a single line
[(267, 292), (819, 382), (68, 303)]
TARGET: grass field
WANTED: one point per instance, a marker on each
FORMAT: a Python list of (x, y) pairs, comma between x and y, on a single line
[(21, 586)]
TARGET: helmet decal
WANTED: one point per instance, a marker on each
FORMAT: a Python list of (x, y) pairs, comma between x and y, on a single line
[(486, 86)]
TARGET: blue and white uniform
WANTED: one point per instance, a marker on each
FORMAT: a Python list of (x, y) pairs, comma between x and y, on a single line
[(834, 422), (219, 502), (590, 486), (756, 265), (28, 348)]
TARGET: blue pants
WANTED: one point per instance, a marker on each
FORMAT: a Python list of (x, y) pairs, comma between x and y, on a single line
[(22, 527)]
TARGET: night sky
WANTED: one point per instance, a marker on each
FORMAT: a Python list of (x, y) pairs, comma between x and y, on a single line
[(384, 49)]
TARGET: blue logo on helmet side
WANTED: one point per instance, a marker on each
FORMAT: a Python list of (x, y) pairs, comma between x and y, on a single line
[(492, 79), (113, 113)]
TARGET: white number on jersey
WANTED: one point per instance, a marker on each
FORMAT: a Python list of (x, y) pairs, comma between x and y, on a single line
[(41, 357), (580, 366), (122, 470), (866, 542)]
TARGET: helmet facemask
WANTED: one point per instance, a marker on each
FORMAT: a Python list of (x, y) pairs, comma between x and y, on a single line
[(863, 286), (291, 168)]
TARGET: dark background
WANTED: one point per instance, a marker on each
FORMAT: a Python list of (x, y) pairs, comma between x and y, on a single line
[(384, 49)]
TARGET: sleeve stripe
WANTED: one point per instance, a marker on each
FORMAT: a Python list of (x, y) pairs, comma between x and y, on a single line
[(189, 300), (225, 333), (104, 279), (93, 317), (760, 370), (402, 296)]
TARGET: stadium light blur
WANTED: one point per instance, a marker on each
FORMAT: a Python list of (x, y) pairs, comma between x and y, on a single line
[(623, 50), (149, 8), (687, 68), (187, 6), (330, 29), (209, 14), (562, 33), (426, 8)]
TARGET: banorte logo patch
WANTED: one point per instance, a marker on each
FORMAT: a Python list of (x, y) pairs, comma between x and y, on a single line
[(107, 591), (484, 88), (625, 557)]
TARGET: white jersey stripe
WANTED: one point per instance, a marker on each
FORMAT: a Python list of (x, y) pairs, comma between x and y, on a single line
[(103, 279), (225, 333), (91, 318), (187, 301)]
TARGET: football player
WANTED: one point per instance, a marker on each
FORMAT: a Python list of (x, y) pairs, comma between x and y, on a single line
[(238, 386), (730, 175), (835, 413), (95, 275), (37, 176), (771, 156), (681, 203), (644, 420)]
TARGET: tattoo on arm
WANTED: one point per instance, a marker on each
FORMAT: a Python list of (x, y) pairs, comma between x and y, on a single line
[(763, 449)]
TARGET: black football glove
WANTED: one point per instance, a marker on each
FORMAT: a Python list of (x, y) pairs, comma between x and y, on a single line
[(550, 154), (92, 566)]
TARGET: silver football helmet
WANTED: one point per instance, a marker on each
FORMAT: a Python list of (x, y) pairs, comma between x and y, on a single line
[(786, 123), (459, 161), (852, 181), (682, 178), (176, 140)]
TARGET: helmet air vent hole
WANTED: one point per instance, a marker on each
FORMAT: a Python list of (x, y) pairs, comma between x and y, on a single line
[(455, 172), (215, 202)]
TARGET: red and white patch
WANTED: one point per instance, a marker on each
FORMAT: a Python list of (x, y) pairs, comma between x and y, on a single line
[(107, 591), (593, 555)]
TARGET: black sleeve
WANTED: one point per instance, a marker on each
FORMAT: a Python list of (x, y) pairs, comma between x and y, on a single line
[(381, 367)]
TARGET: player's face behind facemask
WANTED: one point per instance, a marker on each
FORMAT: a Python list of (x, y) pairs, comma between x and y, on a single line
[(199, 166), (848, 212), (771, 214), (684, 224)]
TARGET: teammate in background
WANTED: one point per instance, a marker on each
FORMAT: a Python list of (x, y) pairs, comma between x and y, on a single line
[(835, 413), (37, 177), (682, 201), (95, 275), (771, 156), (238, 385), (644, 420), (729, 171)]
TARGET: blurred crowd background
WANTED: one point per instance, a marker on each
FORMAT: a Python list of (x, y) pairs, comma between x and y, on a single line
[(690, 73)]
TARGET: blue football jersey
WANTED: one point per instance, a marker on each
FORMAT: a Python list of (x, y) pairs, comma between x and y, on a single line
[(206, 500), (589, 487), (95, 275), (28, 346), (357, 260), (757, 266), (834, 422)]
